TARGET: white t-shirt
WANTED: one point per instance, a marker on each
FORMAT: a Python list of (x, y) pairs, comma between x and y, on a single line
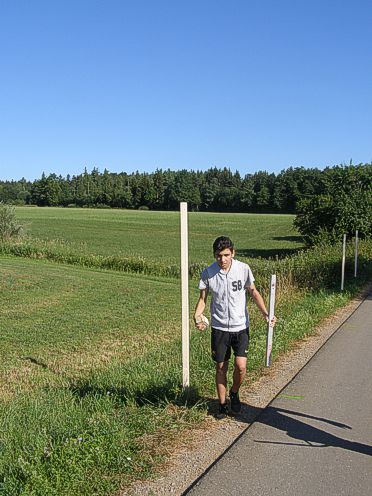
[(228, 295)]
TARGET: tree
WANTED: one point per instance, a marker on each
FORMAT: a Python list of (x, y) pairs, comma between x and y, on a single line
[(208, 192), (183, 188), (160, 185), (247, 193), (345, 207), (47, 191), (263, 184)]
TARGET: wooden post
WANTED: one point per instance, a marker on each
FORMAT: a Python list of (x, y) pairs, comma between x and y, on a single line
[(270, 328), (343, 263), (356, 254), (185, 296)]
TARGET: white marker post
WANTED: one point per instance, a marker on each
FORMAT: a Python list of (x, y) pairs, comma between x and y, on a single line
[(343, 263), (185, 296), (270, 328), (356, 254)]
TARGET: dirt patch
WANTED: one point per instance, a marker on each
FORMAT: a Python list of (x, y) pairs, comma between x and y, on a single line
[(197, 449)]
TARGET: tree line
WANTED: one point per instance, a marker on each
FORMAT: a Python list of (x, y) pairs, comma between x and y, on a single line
[(212, 190)]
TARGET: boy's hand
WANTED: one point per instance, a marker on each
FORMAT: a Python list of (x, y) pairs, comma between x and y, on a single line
[(273, 320), (201, 322)]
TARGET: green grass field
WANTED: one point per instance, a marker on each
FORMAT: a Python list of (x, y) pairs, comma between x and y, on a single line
[(156, 235), (90, 359)]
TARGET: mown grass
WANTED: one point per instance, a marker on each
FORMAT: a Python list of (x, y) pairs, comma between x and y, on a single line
[(52, 315), (155, 235), (97, 398)]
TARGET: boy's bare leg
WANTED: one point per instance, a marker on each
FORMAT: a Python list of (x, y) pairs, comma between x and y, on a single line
[(221, 380), (240, 370)]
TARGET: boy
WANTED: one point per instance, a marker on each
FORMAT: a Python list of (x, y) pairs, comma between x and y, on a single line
[(227, 280)]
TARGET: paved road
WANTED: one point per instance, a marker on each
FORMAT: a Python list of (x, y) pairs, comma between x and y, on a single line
[(316, 437)]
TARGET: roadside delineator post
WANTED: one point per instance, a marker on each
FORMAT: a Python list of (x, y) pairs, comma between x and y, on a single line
[(343, 263), (356, 254), (270, 327), (185, 297)]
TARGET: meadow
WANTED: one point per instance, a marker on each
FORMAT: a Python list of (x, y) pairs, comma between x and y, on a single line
[(155, 235), (90, 395)]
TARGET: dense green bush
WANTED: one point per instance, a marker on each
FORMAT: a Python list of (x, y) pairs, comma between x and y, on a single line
[(345, 208)]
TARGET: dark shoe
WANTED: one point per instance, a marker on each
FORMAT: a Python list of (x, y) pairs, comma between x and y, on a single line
[(223, 410), (236, 406)]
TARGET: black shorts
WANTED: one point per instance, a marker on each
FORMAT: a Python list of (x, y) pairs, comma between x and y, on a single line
[(223, 341)]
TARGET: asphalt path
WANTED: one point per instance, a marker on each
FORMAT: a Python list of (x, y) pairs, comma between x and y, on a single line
[(315, 438)]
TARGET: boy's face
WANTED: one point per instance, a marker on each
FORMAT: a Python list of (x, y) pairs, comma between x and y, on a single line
[(224, 258)]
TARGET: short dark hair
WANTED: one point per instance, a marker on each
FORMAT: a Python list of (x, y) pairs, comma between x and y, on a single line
[(221, 243)]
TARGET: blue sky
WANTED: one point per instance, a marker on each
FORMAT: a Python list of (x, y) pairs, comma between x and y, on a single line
[(127, 85)]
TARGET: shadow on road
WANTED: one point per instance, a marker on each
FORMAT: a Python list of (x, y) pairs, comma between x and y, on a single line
[(280, 418), (309, 435)]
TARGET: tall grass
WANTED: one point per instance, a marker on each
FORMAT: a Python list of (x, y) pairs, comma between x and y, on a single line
[(62, 252), (316, 267)]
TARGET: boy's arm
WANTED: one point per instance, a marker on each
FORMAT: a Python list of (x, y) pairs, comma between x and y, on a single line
[(199, 309), (257, 298)]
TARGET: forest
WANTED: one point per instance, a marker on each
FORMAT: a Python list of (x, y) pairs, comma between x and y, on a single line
[(215, 189)]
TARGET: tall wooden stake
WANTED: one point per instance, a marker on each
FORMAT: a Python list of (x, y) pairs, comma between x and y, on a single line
[(185, 297), (270, 328), (356, 254), (343, 263)]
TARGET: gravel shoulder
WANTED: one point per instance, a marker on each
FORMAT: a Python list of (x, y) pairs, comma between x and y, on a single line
[(198, 448)]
